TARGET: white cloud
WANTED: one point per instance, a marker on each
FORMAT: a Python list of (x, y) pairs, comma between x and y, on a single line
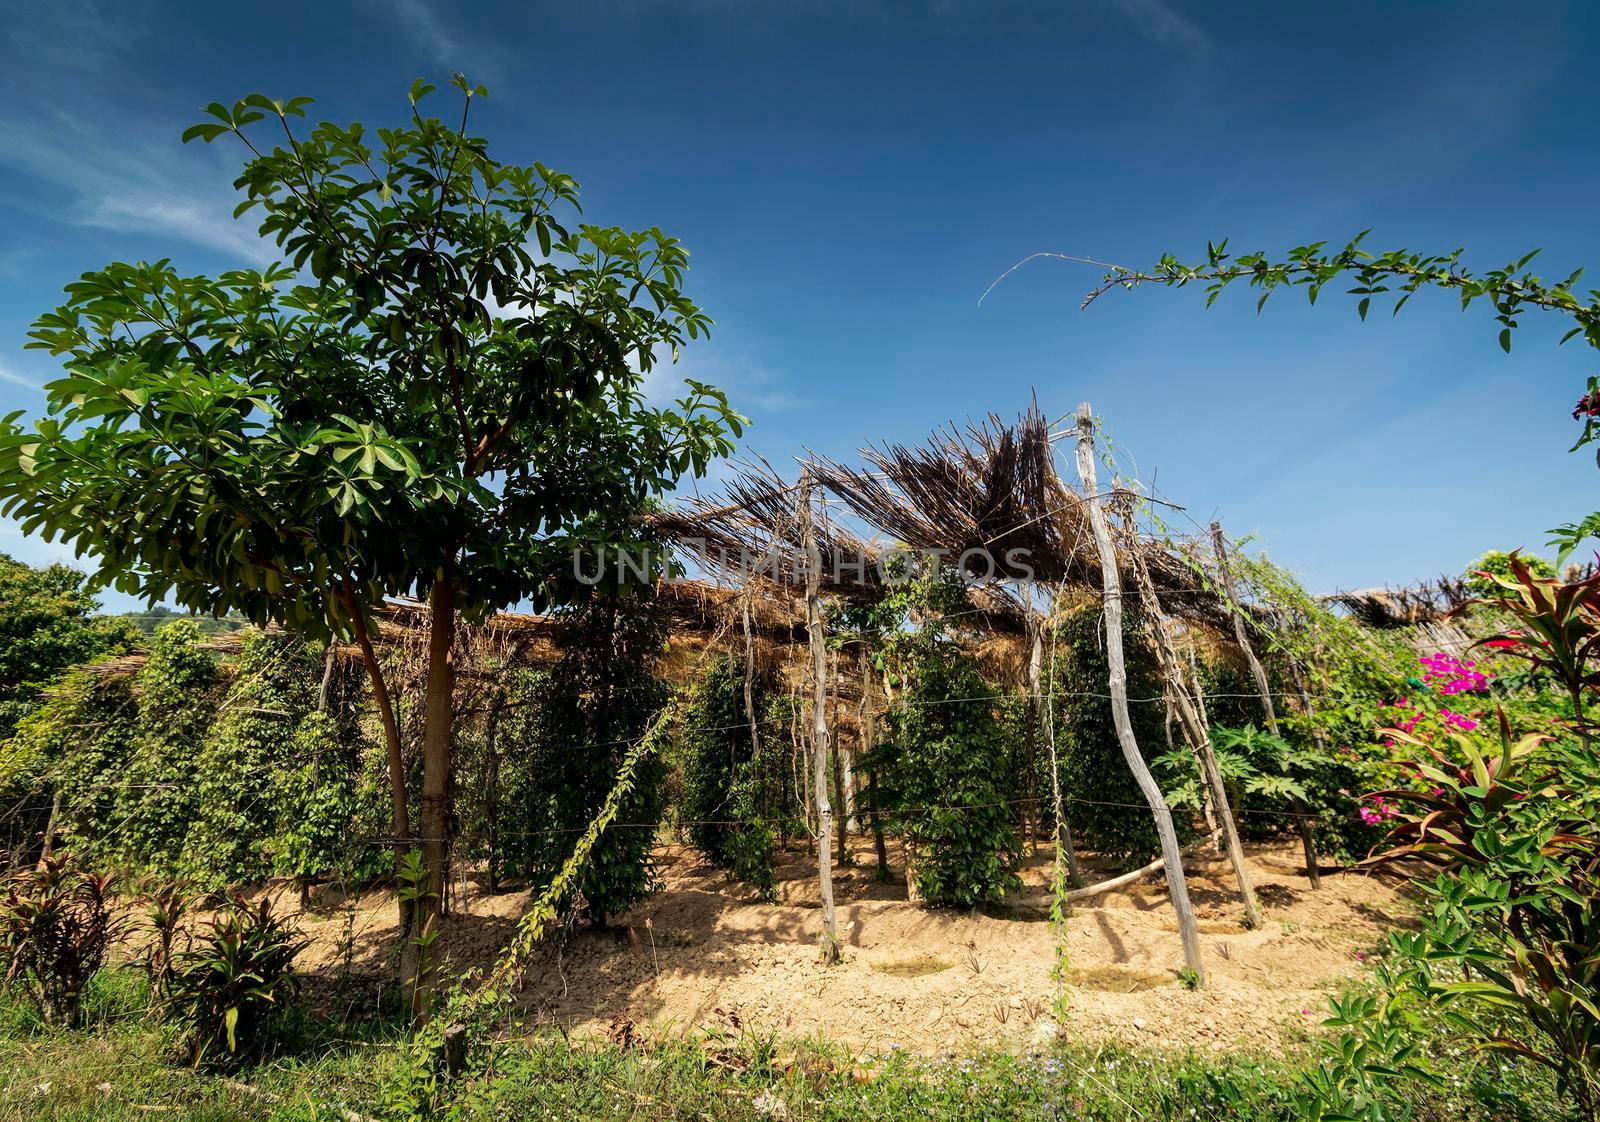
[(1160, 22), (9, 375), (110, 183), (422, 26)]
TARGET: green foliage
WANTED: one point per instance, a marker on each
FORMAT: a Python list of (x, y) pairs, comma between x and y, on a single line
[(1508, 951), (1106, 808), (1261, 772), (732, 800), (1507, 956), (276, 780), (228, 989), (47, 623), (178, 691), (560, 739), (1497, 563), (246, 443), (168, 905), (943, 763), (184, 769), (57, 923)]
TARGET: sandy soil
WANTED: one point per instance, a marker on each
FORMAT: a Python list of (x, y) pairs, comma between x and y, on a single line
[(700, 953)]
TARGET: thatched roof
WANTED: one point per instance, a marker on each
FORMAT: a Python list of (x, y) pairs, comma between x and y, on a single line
[(1389, 608), (986, 498)]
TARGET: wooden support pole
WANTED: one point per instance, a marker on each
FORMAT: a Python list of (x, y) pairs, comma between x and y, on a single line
[(749, 682), (1111, 581), (1042, 708), (1302, 821), (829, 939), (1194, 730)]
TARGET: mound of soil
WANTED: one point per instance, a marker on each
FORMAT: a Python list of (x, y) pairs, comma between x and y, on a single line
[(701, 953)]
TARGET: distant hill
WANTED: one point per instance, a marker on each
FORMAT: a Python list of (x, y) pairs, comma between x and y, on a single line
[(152, 618)]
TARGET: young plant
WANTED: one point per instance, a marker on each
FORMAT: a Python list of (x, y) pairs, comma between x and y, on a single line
[(228, 989), (167, 905), (1559, 628), (56, 925)]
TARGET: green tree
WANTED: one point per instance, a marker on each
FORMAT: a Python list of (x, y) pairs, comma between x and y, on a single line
[(48, 622), (1497, 563), (945, 760), (436, 395)]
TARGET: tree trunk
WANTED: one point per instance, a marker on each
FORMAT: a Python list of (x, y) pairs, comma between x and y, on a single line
[(819, 727), (868, 731), (399, 812), (1194, 731), (1111, 580), (49, 848), (1302, 820), (437, 718)]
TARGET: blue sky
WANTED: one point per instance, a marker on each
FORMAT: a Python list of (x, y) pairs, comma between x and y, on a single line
[(851, 177)]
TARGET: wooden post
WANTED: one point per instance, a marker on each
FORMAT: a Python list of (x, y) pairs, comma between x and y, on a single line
[(1111, 581), (819, 724), (50, 830), (1195, 731), (1302, 821), (749, 683), (867, 724), (1042, 707)]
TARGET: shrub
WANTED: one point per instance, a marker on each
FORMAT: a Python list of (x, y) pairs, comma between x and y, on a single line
[(228, 989), (560, 738), (733, 801), (948, 775), (1104, 805), (1508, 950), (56, 925), (167, 905), (159, 795)]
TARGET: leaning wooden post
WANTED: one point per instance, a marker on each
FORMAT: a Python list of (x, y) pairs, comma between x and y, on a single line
[(819, 724), (1302, 821), (1199, 738), (1171, 856)]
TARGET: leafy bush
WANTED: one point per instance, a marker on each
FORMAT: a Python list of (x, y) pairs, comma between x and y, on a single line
[(1105, 807), (56, 925), (276, 780), (159, 801), (228, 989), (167, 905), (1508, 952), (560, 738), (47, 623), (732, 800), (948, 775)]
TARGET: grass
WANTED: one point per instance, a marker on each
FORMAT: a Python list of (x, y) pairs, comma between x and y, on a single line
[(118, 1068)]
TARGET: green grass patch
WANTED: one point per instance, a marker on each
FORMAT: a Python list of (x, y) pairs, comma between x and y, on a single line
[(120, 1067)]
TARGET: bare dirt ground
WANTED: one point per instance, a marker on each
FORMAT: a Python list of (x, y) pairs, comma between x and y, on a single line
[(701, 953)]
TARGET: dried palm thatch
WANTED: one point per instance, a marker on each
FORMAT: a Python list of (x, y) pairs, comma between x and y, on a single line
[(988, 498), (1389, 608), (695, 611), (754, 535), (985, 499)]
